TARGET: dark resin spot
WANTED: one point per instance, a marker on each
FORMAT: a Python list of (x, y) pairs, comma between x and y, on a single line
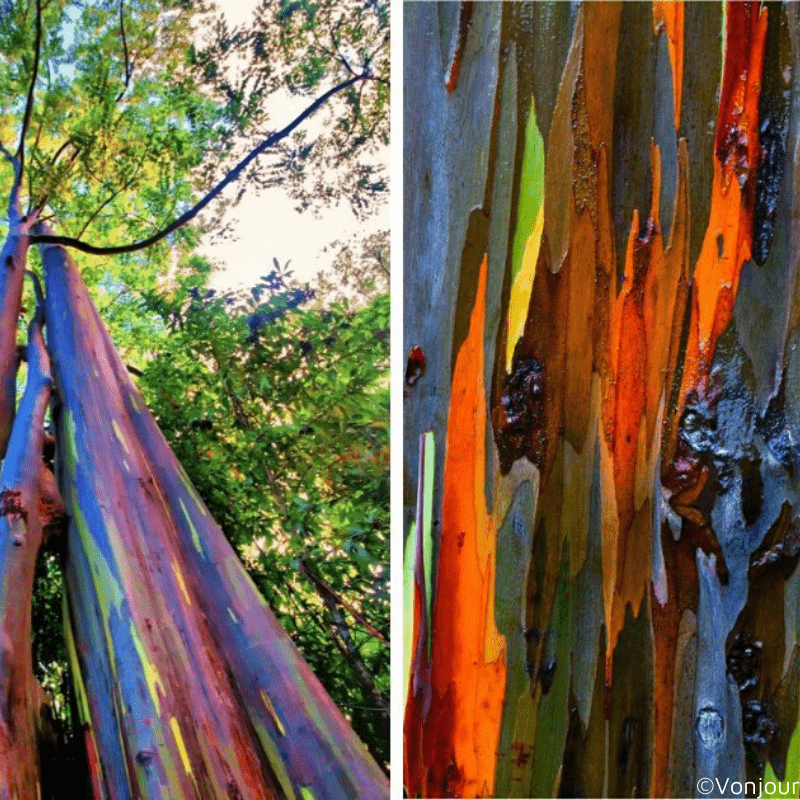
[(519, 416), (744, 661), (415, 366), (769, 180), (759, 730)]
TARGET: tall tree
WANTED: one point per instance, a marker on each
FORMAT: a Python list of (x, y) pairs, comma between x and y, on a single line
[(601, 404), (185, 684)]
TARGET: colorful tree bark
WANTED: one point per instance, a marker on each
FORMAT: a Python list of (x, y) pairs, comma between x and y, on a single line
[(188, 686), (24, 521), (600, 272)]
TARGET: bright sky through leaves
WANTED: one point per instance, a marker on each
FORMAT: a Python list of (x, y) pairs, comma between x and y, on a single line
[(266, 225)]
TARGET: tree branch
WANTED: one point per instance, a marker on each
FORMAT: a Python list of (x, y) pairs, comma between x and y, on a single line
[(37, 288), (329, 593), (128, 68), (68, 241), (26, 121), (57, 154), (349, 651)]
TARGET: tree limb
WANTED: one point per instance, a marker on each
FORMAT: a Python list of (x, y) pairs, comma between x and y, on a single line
[(329, 593), (37, 288), (26, 121), (128, 68), (344, 642), (68, 241)]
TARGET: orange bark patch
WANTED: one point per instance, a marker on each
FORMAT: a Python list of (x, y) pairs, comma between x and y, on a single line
[(728, 240), (669, 14), (468, 672), (643, 350)]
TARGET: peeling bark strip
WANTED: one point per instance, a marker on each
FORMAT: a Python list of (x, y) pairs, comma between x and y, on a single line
[(192, 688), (463, 762), (638, 298)]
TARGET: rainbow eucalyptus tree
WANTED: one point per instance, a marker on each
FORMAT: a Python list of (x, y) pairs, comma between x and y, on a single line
[(185, 685), (602, 411)]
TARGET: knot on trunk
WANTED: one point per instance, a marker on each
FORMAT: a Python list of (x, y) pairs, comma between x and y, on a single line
[(52, 513), (11, 505)]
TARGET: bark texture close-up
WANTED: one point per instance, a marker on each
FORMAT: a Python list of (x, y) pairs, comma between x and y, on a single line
[(602, 399)]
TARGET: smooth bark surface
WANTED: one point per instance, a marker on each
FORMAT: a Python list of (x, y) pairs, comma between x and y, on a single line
[(24, 516), (601, 461)]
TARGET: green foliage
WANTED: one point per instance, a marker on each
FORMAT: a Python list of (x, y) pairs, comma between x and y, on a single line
[(360, 270), (48, 644), (280, 416), (113, 139), (293, 49)]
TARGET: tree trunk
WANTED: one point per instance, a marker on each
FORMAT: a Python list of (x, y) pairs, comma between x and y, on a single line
[(188, 686), (23, 519), (601, 251)]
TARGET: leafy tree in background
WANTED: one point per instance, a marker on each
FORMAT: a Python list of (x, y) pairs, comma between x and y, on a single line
[(183, 683), (289, 49)]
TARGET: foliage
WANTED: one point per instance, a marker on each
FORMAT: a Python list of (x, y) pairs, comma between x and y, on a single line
[(292, 48), (112, 141), (360, 269), (140, 105)]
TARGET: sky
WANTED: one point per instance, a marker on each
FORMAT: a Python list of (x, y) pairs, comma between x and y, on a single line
[(268, 226)]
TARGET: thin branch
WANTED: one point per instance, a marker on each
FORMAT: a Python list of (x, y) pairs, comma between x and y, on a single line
[(328, 592), (45, 195), (379, 257), (30, 172), (57, 154), (128, 68), (26, 121), (339, 53), (349, 651), (378, 47), (336, 56), (13, 197), (68, 241), (111, 197)]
